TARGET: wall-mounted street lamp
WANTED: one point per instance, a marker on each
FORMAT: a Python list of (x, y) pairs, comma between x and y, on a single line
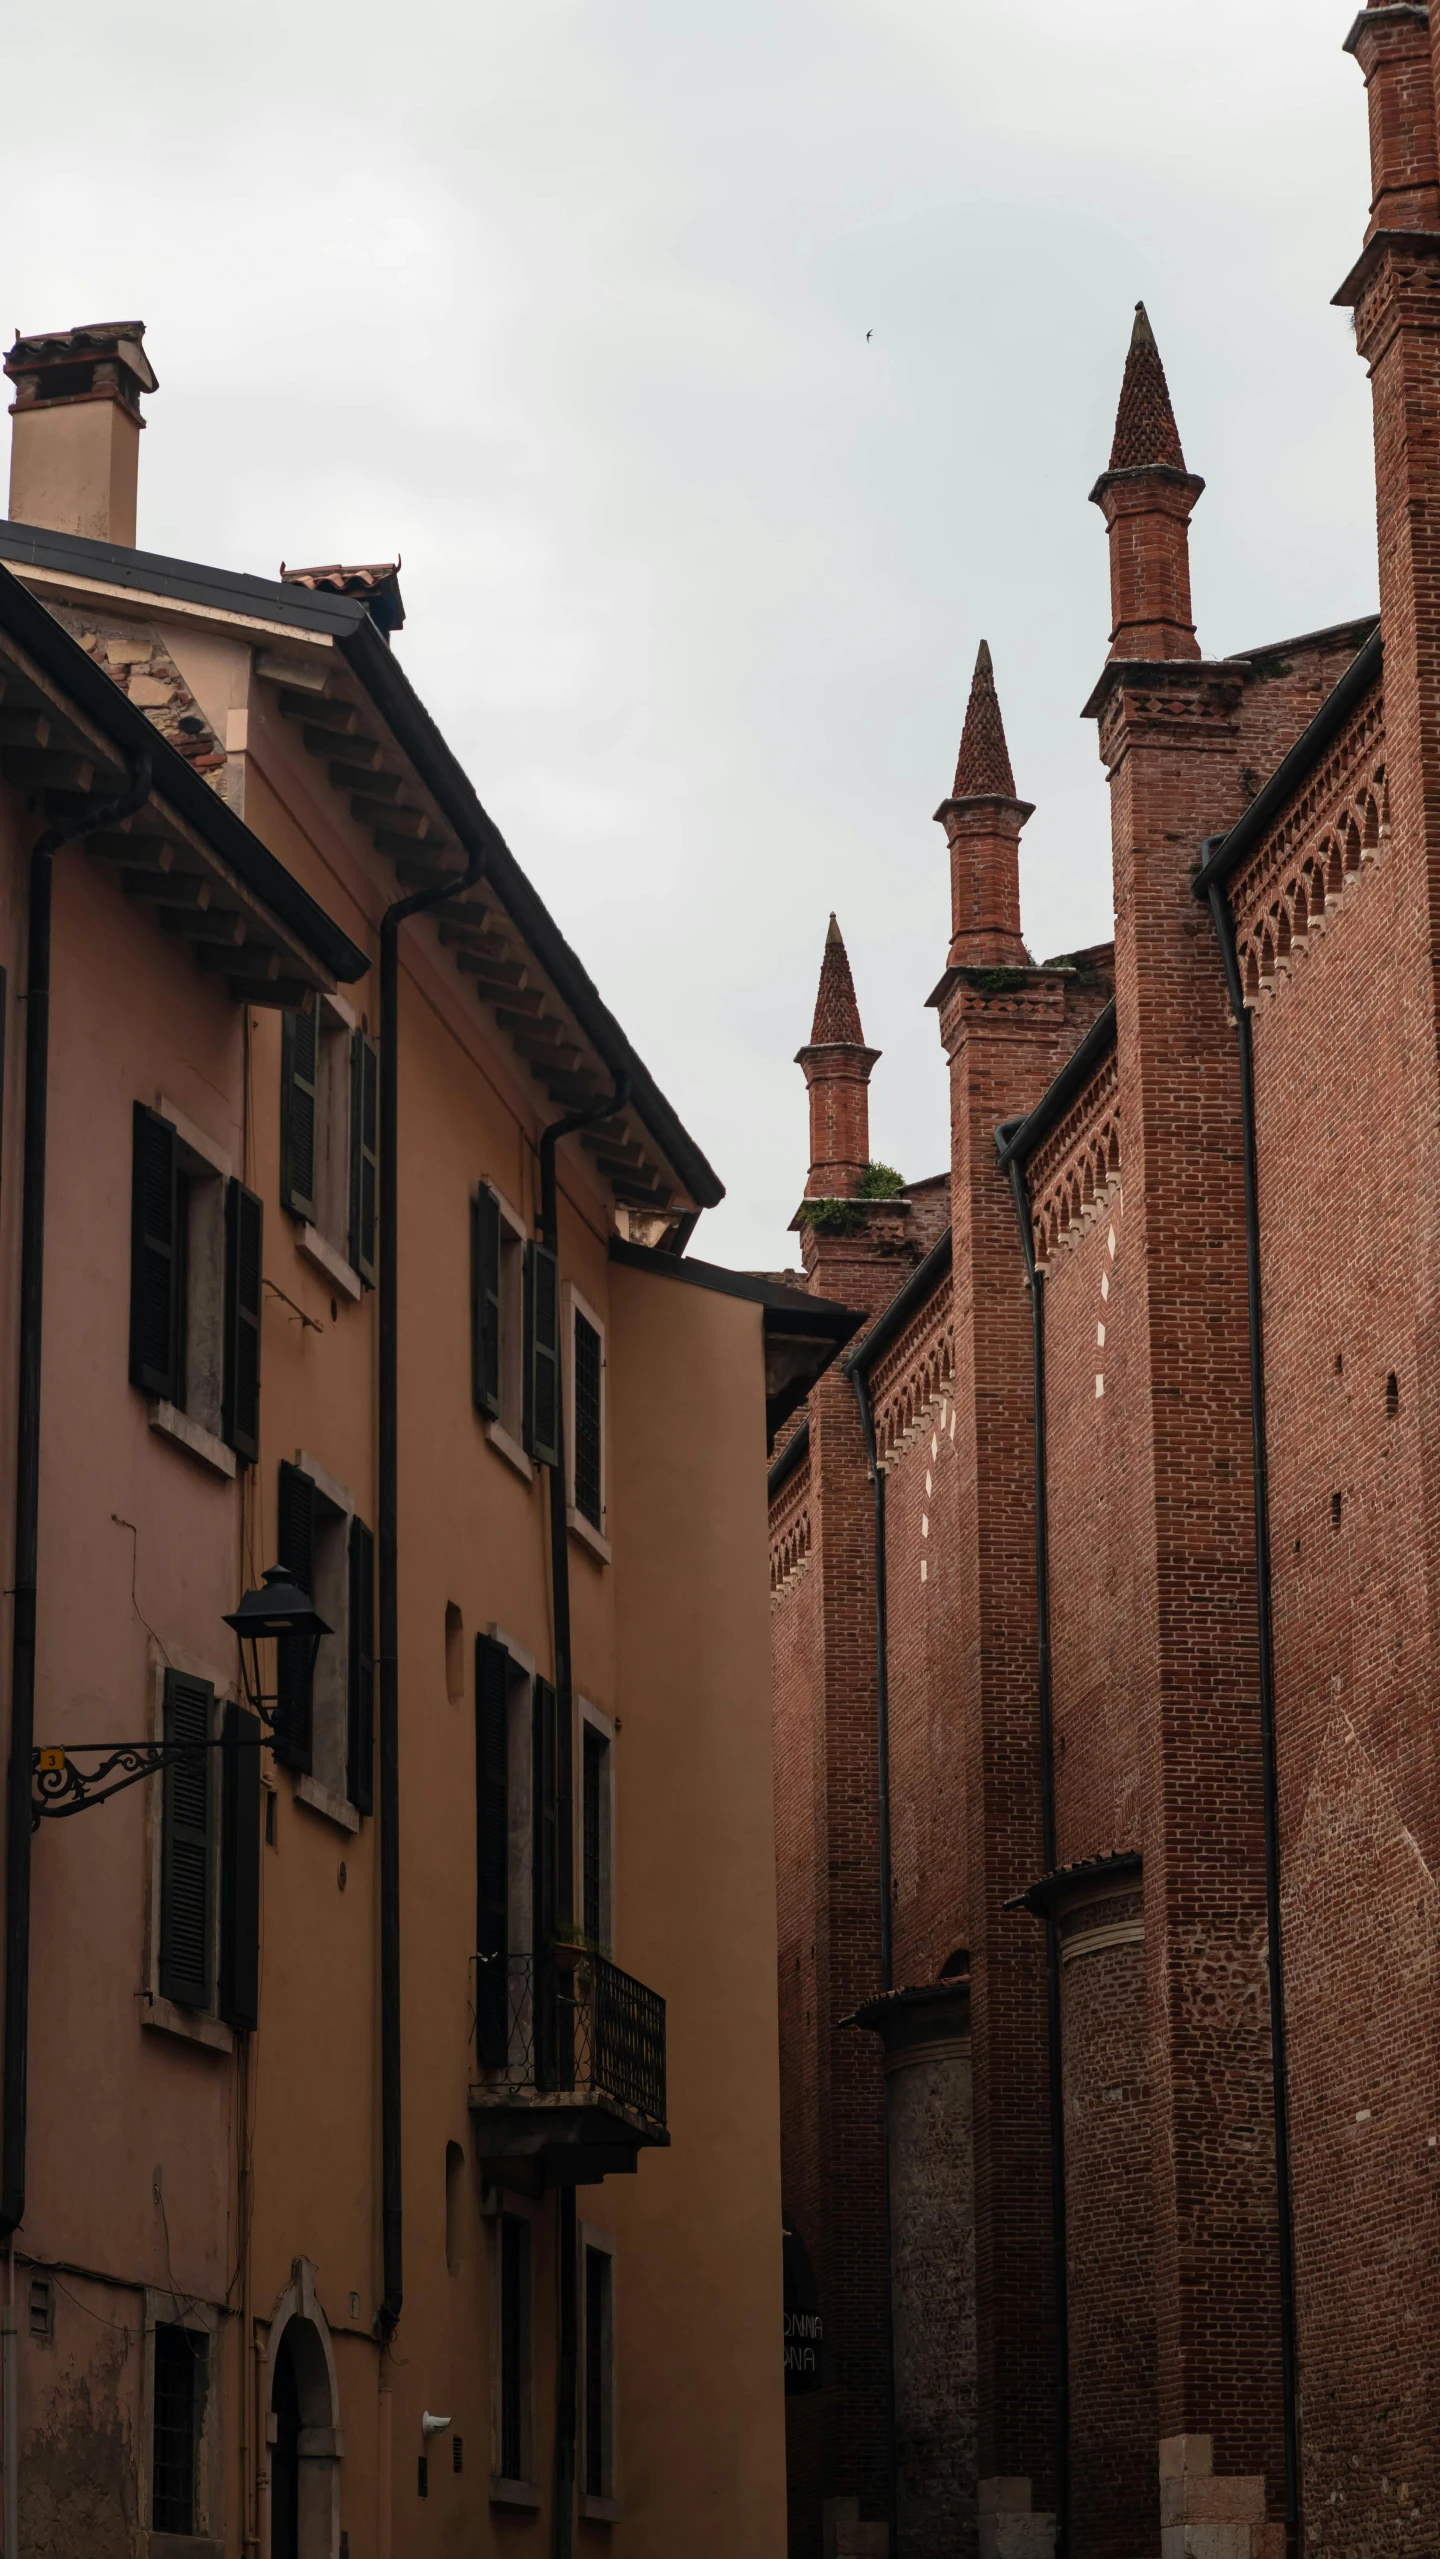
[(281, 1612)]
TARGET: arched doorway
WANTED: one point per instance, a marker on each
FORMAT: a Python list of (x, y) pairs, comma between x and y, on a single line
[(305, 2445)]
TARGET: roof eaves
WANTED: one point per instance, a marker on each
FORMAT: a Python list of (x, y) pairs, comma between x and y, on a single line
[(116, 718), (180, 581), (796, 1448), (923, 1280), (1359, 677), (393, 695), (1024, 1136)]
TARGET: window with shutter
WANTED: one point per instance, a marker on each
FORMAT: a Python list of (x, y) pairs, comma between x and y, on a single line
[(240, 1869), (485, 1301), (187, 1845), (364, 1153), (295, 1549), (360, 1736), (512, 2360), (299, 1098), (244, 1218), (492, 1850), (597, 2399), (155, 1258), (589, 1481), (545, 1882), (542, 1312), (595, 1834)]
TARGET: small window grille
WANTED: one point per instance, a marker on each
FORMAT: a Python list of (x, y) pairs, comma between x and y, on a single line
[(181, 2356), (587, 1421), (42, 2309)]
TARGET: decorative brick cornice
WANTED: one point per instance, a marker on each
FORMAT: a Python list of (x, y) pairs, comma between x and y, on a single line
[(1166, 703), (1073, 1174), (1318, 849), (914, 1376)]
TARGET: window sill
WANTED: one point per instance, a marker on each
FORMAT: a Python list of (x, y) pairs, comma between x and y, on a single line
[(329, 1259), (513, 2492), (191, 2025), (510, 1449), (183, 2545), (332, 1808), (602, 2510), (587, 1535), (178, 1428)]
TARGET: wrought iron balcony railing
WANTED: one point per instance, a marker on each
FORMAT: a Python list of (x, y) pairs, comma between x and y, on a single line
[(567, 2022)]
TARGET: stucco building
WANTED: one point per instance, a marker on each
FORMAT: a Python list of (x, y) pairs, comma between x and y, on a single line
[(390, 2146), (1107, 1803)]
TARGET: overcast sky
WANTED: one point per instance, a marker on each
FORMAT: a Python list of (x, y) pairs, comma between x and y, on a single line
[(568, 302)]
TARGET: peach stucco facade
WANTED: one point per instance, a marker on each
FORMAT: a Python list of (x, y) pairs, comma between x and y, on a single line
[(189, 2178)]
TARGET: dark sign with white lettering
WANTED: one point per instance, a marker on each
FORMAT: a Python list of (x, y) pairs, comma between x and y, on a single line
[(804, 2327)]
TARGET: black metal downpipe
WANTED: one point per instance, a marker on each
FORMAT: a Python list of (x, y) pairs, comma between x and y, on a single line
[(882, 1681), (567, 2356), (861, 1385), (392, 2217), (27, 1482), (1224, 922), (1034, 1280)]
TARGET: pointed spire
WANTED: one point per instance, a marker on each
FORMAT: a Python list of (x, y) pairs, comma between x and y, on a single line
[(837, 1015), (1146, 436), (983, 771)]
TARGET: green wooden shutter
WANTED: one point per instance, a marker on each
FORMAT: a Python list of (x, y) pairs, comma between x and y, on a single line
[(542, 1346), (544, 1879), (240, 1403), (295, 1549), (155, 1257), (240, 1869), (299, 1088), (364, 1153), (187, 1846), (492, 1846), (360, 1732), (485, 1300)]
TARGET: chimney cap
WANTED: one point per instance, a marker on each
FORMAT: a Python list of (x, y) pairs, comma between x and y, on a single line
[(377, 585), (93, 342)]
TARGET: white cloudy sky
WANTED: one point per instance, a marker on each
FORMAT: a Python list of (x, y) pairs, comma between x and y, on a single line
[(567, 300)]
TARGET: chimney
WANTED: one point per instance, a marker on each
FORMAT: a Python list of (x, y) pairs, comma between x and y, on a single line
[(75, 443), (1147, 497), (837, 1068), (982, 821)]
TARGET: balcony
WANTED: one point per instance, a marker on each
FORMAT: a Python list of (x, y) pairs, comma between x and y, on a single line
[(567, 2066)]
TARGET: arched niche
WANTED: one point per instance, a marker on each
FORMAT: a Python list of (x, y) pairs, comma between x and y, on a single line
[(305, 2444)]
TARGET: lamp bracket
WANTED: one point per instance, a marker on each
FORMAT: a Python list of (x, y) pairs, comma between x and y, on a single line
[(59, 1787)]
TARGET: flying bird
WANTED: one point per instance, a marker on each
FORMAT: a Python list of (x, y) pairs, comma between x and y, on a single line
[(869, 334)]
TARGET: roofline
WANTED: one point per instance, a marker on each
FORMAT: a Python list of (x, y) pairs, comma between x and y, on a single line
[(1016, 1141), (184, 581), (116, 717), (395, 697), (1359, 677), (812, 1314), (1041, 1897), (346, 623), (891, 1319), (1363, 624), (790, 1456)]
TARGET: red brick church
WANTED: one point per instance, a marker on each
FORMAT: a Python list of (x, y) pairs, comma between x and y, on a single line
[(1107, 1598)]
